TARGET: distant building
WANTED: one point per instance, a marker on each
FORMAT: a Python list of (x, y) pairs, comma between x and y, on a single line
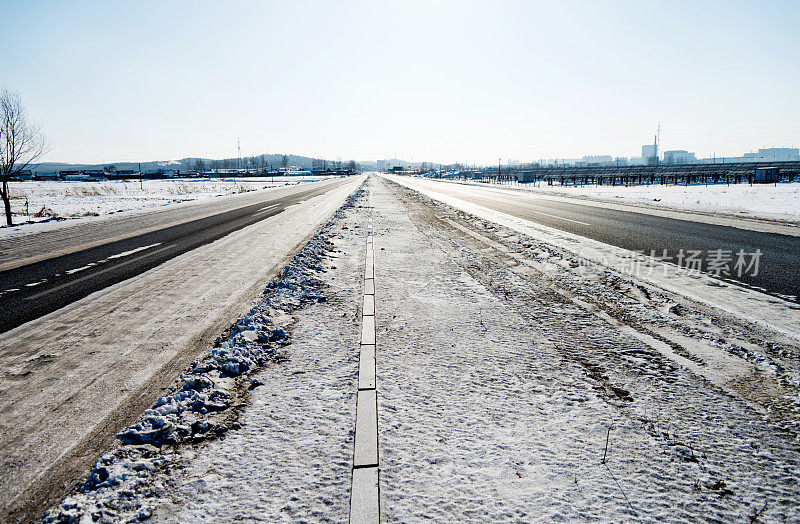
[(649, 153), (597, 161), (773, 154), (769, 154), (679, 156)]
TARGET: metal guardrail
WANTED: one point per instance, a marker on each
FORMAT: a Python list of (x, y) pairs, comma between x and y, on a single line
[(730, 173)]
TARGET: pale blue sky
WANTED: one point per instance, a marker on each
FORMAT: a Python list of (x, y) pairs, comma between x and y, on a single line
[(437, 81)]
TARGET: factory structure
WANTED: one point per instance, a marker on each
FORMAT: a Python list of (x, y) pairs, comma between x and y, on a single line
[(653, 156)]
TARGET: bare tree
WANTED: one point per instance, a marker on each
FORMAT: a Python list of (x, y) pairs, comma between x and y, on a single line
[(284, 162), (21, 143)]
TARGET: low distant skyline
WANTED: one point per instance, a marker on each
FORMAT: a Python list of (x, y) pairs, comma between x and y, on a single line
[(445, 82)]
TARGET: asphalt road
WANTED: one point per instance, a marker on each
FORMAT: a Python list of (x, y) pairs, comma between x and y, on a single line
[(33, 290), (778, 265)]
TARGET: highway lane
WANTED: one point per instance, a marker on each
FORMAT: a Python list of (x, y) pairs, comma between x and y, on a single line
[(33, 290), (666, 238)]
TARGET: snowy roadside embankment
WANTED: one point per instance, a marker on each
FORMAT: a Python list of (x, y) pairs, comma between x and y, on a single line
[(205, 401), (769, 201)]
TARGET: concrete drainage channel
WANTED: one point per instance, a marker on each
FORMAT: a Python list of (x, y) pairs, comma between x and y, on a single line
[(364, 493)]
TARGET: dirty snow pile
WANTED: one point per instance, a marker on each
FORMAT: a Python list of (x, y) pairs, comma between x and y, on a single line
[(204, 402), (777, 202)]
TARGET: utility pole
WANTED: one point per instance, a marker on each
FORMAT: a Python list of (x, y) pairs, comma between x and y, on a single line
[(239, 152), (498, 172), (658, 141), (141, 183)]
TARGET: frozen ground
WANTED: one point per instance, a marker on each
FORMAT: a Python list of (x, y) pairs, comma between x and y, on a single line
[(44, 200), (759, 200), (503, 367)]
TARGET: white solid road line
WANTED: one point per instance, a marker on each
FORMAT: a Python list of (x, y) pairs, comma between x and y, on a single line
[(740, 222), (559, 218), (265, 209)]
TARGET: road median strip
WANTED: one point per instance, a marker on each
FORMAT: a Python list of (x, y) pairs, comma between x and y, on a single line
[(365, 493)]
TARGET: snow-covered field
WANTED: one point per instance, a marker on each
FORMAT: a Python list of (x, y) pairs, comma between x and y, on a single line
[(781, 202), (43, 200)]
